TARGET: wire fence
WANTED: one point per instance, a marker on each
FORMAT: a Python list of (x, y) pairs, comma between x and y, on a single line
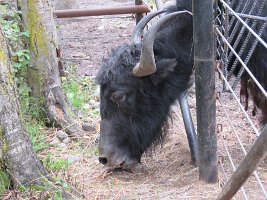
[(241, 48)]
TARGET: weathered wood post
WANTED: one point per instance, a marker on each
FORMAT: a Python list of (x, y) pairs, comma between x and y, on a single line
[(205, 89), (139, 16)]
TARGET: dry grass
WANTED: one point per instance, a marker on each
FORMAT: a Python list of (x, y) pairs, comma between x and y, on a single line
[(167, 174)]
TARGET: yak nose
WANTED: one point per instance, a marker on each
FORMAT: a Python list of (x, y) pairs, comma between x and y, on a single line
[(103, 160)]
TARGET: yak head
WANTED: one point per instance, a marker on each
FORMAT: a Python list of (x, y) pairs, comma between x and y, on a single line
[(137, 89)]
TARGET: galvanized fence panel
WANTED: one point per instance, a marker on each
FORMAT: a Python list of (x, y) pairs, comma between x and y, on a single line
[(240, 29)]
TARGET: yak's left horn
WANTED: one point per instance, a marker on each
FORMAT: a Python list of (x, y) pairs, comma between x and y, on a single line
[(147, 63)]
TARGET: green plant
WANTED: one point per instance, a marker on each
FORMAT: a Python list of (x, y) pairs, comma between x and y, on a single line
[(52, 164), (37, 135), (4, 181), (80, 90), (17, 39), (38, 188)]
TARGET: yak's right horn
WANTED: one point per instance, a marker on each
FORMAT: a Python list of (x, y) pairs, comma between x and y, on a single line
[(139, 28), (147, 65)]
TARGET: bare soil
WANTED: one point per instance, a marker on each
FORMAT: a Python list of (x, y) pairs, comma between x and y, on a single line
[(166, 173)]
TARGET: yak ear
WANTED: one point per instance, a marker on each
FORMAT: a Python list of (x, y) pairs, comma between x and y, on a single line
[(164, 68)]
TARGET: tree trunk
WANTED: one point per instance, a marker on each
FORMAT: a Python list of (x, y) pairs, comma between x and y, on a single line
[(45, 66), (17, 156)]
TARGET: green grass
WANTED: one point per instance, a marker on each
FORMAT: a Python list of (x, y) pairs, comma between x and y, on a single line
[(53, 164), (75, 94), (79, 90), (4, 181), (37, 135)]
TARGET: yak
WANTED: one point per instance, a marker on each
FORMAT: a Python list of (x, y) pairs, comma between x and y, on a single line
[(140, 81)]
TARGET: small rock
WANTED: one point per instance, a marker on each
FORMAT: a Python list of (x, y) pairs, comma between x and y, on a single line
[(66, 140), (97, 109), (72, 158), (97, 104), (124, 197), (122, 26), (79, 54), (163, 182), (97, 139), (101, 27), (86, 107), (55, 141), (92, 102), (62, 145), (88, 127), (97, 92), (62, 135)]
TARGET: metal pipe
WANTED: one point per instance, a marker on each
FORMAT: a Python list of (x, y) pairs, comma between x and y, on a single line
[(101, 11), (203, 37), (189, 128), (257, 153)]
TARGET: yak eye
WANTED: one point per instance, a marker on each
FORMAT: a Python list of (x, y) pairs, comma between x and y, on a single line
[(124, 99), (118, 97)]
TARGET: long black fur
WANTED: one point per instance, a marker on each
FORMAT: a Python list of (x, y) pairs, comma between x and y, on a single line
[(137, 109), (141, 124)]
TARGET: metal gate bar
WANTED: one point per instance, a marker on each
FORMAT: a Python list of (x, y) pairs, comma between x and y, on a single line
[(101, 11), (205, 89)]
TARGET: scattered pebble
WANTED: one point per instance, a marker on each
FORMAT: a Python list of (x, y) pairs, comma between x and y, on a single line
[(101, 28), (122, 26), (97, 105), (88, 127), (125, 197), (92, 102), (97, 92), (66, 140), (97, 139), (62, 135), (72, 158), (79, 54), (62, 145), (164, 182), (55, 141), (97, 110)]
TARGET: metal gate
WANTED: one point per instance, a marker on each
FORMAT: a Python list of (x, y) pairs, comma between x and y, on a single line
[(241, 36)]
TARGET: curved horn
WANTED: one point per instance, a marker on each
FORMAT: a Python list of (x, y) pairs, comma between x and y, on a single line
[(137, 33), (147, 63)]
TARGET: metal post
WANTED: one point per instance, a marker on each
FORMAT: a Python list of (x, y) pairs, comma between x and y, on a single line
[(205, 89), (138, 16), (257, 153)]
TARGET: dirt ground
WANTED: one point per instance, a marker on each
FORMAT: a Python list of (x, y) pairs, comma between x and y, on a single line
[(167, 173)]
